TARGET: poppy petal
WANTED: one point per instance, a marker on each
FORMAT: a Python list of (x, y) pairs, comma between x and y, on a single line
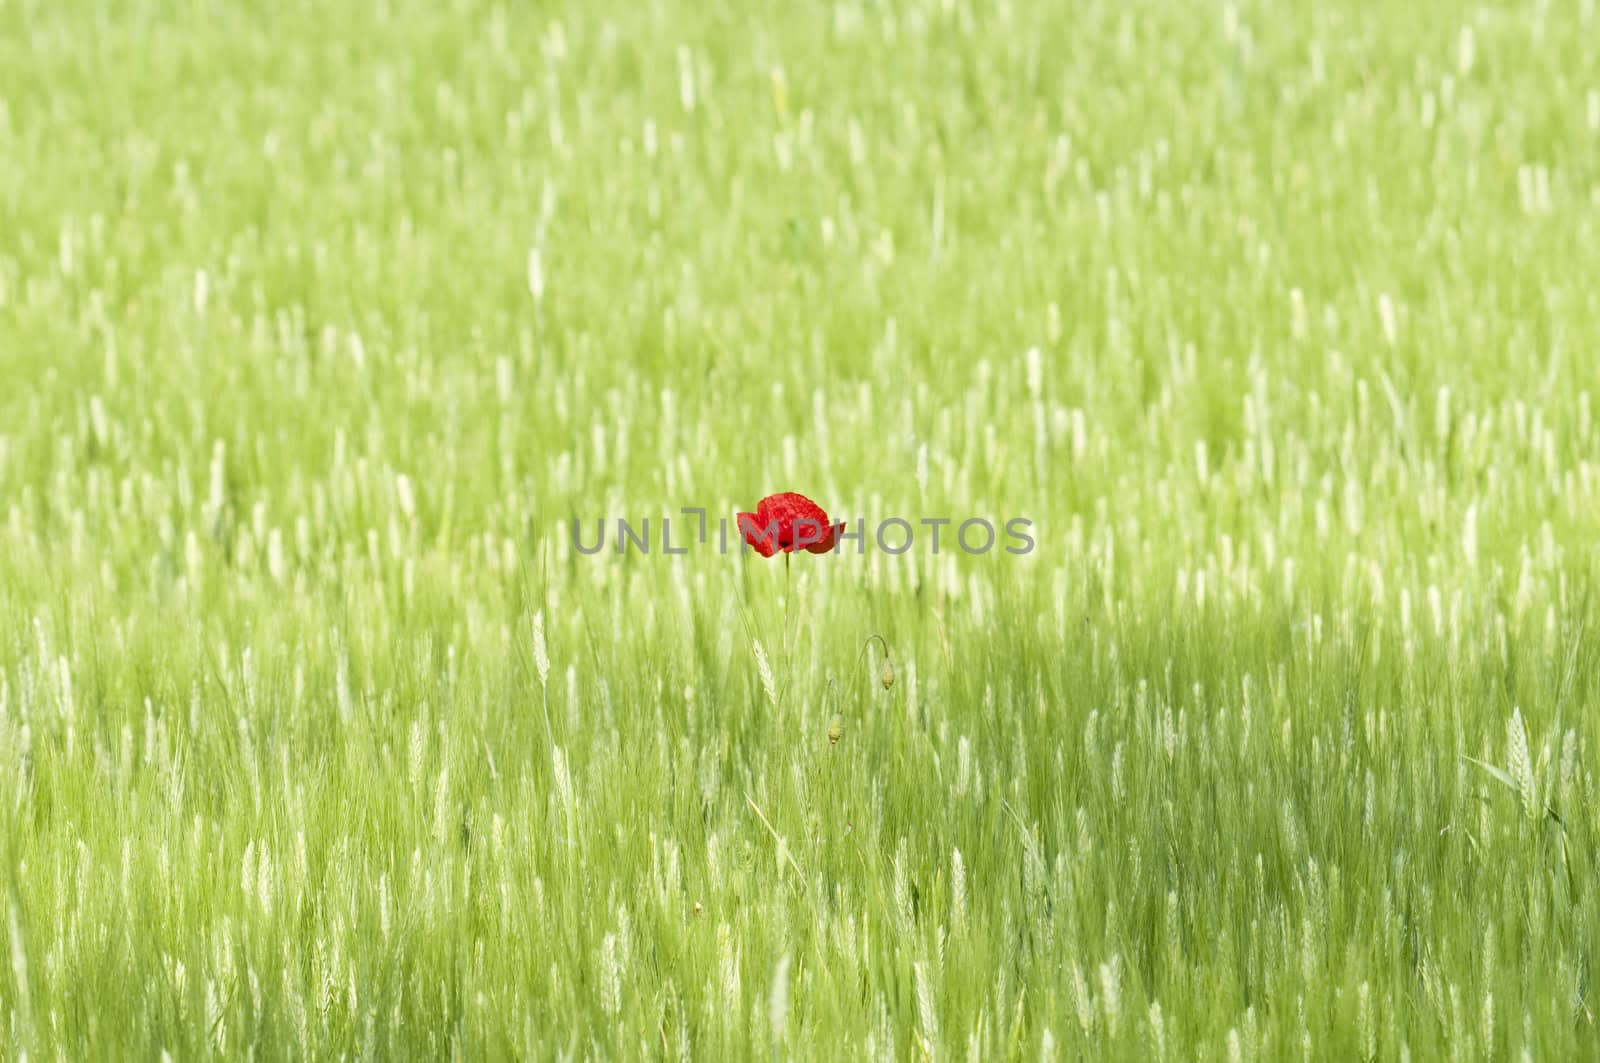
[(807, 531), (758, 533), (829, 539)]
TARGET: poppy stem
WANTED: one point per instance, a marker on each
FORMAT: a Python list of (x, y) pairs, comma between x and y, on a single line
[(865, 646), (788, 601)]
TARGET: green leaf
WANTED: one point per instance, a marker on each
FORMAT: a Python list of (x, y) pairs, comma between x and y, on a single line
[(1492, 770)]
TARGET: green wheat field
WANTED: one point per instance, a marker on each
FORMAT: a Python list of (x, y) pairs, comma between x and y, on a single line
[(320, 323)]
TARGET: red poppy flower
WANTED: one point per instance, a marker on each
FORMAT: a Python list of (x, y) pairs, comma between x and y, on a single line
[(789, 522)]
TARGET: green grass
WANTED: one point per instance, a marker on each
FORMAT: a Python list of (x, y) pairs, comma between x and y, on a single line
[(289, 451)]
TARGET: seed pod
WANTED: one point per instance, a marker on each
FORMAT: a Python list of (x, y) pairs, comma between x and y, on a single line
[(887, 675)]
